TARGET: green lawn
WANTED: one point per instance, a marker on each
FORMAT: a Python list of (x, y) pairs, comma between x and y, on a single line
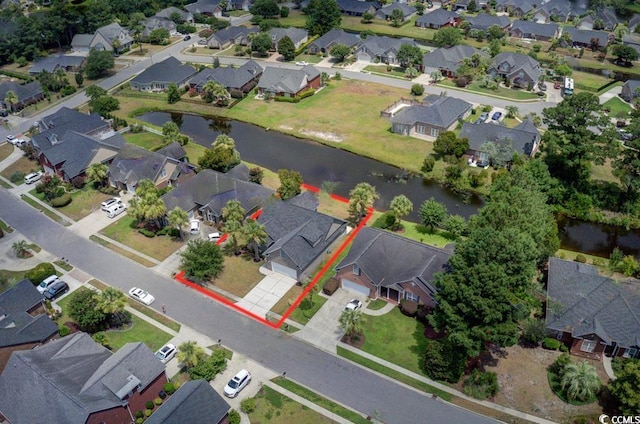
[(395, 71), (274, 408), (377, 304), (305, 310), (142, 261), (84, 202), (509, 93), (588, 81), (618, 108), (44, 209), (5, 227), (419, 232), (311, 58), (240, 275), (194, 152), (144, 139), (141, 331), (8, 278)]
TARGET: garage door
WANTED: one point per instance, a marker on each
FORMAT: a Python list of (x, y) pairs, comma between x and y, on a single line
[(354, 287), (364, 57), (284, 270)]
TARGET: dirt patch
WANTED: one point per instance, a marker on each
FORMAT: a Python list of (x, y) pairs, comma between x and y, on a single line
[(285, 127), (357, 341), (522, 376), (328, 136)]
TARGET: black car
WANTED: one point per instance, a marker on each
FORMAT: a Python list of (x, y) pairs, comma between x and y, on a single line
[(187, 38), (4, 113), (56, 290)]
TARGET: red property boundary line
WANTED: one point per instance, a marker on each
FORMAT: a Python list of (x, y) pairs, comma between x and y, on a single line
[(180, 277)]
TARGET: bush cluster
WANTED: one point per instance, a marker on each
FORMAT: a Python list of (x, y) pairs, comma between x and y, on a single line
[(40, 272), (553, 344), (146, 233), (481, 385), (61, 201), (248, 405), (169, 388)]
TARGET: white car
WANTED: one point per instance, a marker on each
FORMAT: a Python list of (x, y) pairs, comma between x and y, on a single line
[(110, 202), (194, 227), (20, 142), (33, 177), (353, 305), (10, 139), (141, 296), (47, 282), (302, 63), (166, 353), (215, 236), (237, 383)]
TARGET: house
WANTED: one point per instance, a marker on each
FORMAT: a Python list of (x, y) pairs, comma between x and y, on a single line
[(159, 76), (634, 22), (60, 61), (381, 49), (532, 30), (26, 94), (519, 69), (385, 12), (169, 12), (204, 195), (632, 40), (554, 11), (132, 164), (434, 115), (483, 21), (325, 43), (111, 37), (24, 323), (195, 402), (593, 314), (437, 19), (297, 35), (297, 237), (73, 153), (52, 128), (174, 150), (587, 38), (205, 7), (76, 380), (244, 78), (230, 36), (152, 23), (515, 8), (630, 90), (288, 82), (357, 7), (524, 139), (604, 19), (448, 60), (372, 269)]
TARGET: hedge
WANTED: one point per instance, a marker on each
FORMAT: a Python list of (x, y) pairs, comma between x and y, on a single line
[(146, 233), (62, 201), (40, 272)]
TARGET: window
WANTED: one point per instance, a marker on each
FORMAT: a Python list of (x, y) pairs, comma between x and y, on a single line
[(356, 270), (411, 296), (588, 346), (630, 353), (163, 173), (434, 132), (421, 129)]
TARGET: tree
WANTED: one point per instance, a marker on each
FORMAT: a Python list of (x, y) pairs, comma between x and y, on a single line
[(112, 301), (472, 6), (340, 52), (222, 156), (265, 8), (290, 182), (98, 172), (190, 354), (147, 205), (234, 234), (213, 91), (94, 92), (98, 63), (447, 37), (409, 55), (396, 17), (170, 132), (495, 47), (455, 225), (361, 198), (261, 43), (158, 36), (173, 94), (401, 206), (255, 235), (563, 70), (580, 380), (79, 78), (495, 33), (511, 110), (11, 99), (432, 213), (208, 368), (256, 174), (83, 308), (286, 48), (322, 16), (104, 105), (447, 143), (367, 17), (625, 53), (233, 211), (178, 218), (202, 260), (624, 388), (351, 322), (20, 248)]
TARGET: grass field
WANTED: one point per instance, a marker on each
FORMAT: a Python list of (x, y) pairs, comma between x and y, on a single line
[(274, 408), (44, 209), (418, 232), (508, 93), (618, 108), (85, 201), (240, 274), (305, 310), (23, 165), (140, 331), (144, 139), (5, 150), (142, 261), (123, 230)]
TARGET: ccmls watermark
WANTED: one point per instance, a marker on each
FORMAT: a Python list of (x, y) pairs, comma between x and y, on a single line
[(619, 419)]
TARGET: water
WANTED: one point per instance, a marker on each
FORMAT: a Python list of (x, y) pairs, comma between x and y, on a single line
[(597, 239)]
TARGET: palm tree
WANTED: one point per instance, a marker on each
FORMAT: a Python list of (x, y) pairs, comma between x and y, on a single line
[(154, 208), (215, 92), (178, 218), (190, 354), (512, 111), (233, 211), (360, 198), (400, 206), (112, 302), (10, 99), (580, 380), (256, 235), (234, 232), (98, 172), (20, 248), (350, 322)]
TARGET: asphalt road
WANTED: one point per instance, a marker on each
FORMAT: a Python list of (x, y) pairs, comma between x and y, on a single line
[(315, 368)]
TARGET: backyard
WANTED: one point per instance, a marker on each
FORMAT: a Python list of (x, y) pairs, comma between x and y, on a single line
[(617, 107), (418, 232)]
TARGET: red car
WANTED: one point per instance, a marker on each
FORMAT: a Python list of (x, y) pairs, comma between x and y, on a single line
[(556, 85)]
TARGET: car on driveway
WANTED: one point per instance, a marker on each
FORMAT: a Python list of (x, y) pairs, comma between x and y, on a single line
[(10, 138), (56, 289), (237, 383), (110, 202), (166, 353), (33, 177), (484, 116), (353, 305), (194, 227), (215, 236), (47, 282), (556, 85), (141, 296), (496, 116), (302, 63), (542, 87)]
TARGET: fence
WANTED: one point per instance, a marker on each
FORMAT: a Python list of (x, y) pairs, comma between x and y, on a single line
[(398, 104)]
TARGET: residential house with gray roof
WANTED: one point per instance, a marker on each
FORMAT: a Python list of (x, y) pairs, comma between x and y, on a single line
[(52, 128), (357, 7), (75, 380), (297, 238), (174, 150), (372, 269), (587, 38), (132, 164), (437, 19), (195, 402), (515, 8), (484, 21), (159, 76), (169, 12), (24, 323), (288, 82), (554, 11), (206, 194), (634, 22), (229, 36), (592, 313), (205, 7), (486, 139), (154, 22), (532, 30), (630, 90), (242, 79), (27, 94), (433, 116), (632, 40), (381, 49), (297, 35), (520, 69), (325, 43), (110, 37), (603, 19), (385, 12), (59, 61), (448, 60)]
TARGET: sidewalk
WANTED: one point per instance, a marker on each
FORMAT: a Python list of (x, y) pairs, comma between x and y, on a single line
[(14, 156)]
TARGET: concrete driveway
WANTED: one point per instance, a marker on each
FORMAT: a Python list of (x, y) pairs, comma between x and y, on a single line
[(267, 292)]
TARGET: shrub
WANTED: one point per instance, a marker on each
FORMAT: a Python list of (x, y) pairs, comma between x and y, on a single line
[(63, 330), (462, 82), (417, 89), (428, 164), (599, 262), (78, 182), (146, 233), (150, 405), (139, 414), (330, 287), (141, 419), (563, 348), (67, 90), (557, 367), (157, 401), (40, 272), (236, 94), (148, 412), (210, 367), (173, 232), (16, 177), (581, 258), (248, 405), (234, 417), (409, 308), (62, 201), (550, 343), (481, 385), (169, 388)]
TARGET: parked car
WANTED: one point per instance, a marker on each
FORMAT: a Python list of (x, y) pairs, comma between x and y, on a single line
[(302, 63), (496, 116), (625, 135), (4, 113), (484, 116), (166, 353), (187, 38), (47, 282), (141, 296), (542, 87), (556, 85), (10, 138), (56, 289), (194, 227), (215, 236), (20, 142), (479, 121), (353, 305), (202, 41), (33, 177), (237, 383), (110, 202)]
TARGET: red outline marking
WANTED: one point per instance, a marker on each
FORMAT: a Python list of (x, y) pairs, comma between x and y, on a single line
[(181, 278)]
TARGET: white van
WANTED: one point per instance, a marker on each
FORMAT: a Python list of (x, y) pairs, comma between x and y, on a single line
[(33, 177), (116, 210)]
